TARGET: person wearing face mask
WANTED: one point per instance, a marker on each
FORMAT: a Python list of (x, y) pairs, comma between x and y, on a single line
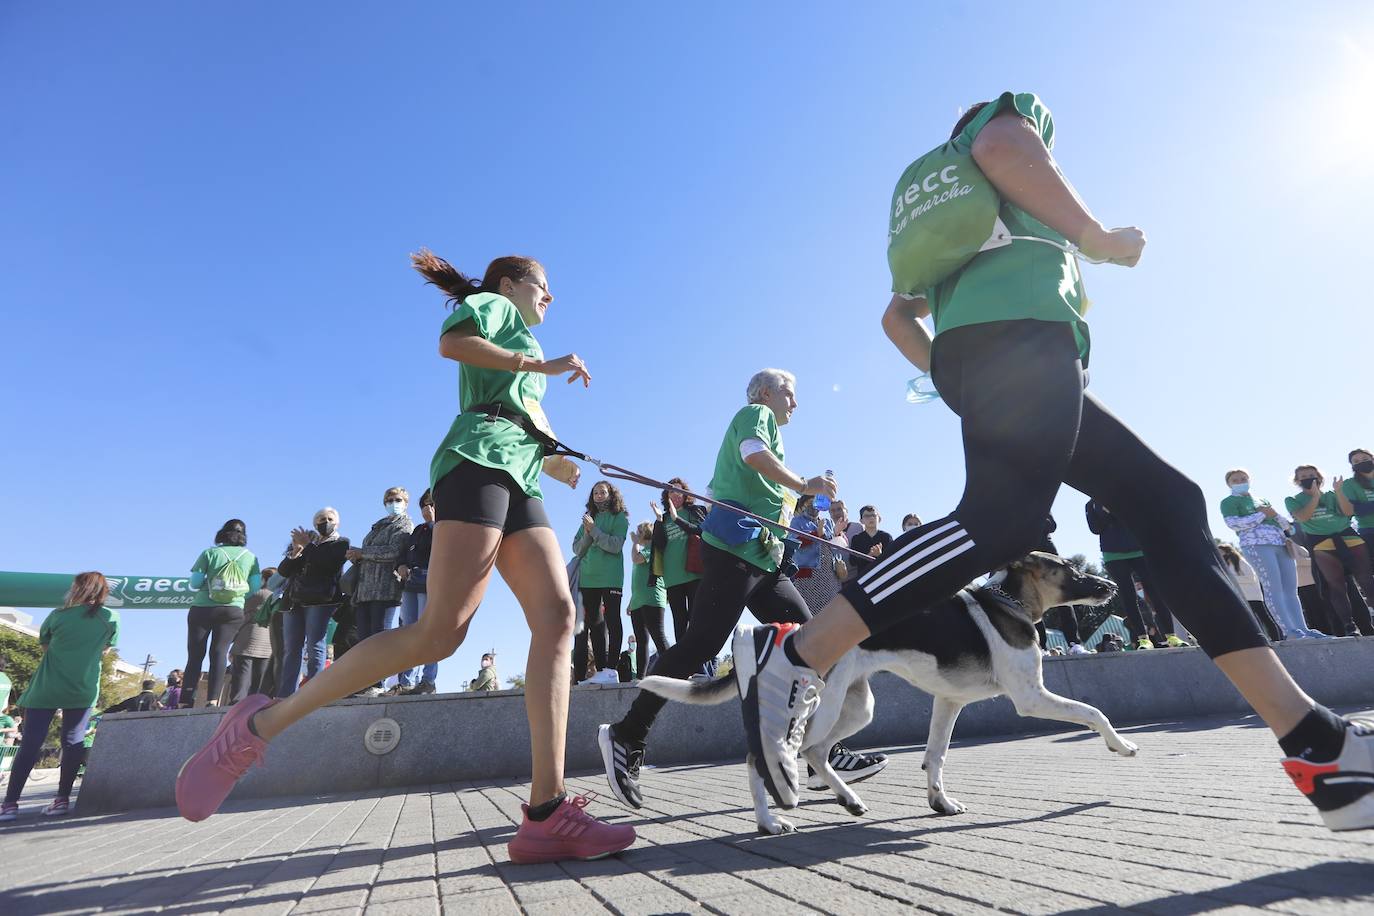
[(489, 515), (1264, 544), (600, 542), (648, 598), (1337, 550), (313, 563), (909, 521), (486, 679), (1359, 490), (377, 595), (677, 550), (414, 573)]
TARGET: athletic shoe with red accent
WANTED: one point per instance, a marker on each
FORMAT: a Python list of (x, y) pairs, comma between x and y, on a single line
[(1342, 789), (569, 833), (777, 699), (207, 778), (58, 807)]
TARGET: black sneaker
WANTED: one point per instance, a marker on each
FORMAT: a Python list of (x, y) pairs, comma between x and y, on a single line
[(622, 760), (420, 689), (1342, 789), (851, 766)]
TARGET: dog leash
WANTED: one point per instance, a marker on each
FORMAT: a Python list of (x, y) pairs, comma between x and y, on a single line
[(554, 448)]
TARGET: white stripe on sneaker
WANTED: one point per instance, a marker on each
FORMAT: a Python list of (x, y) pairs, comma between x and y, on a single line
[(915, 544), (897, 586)]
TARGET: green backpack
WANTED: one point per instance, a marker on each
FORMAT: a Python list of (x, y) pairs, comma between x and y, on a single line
[(944, 212), (228, 583)]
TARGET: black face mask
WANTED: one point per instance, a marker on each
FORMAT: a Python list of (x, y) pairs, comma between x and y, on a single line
[(324, 530), (1308, 483), (1364, 467)]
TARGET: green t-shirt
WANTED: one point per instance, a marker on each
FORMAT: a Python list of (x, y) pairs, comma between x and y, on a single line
[(1327, 520), (1356, 489), (602, 568), (1241, 506), (6, 722), (675, 554), (496, 443), (1109, 556), (211, 560), (1024, 279), (6, 685), (641, 595), (736, 481), (68, 676)]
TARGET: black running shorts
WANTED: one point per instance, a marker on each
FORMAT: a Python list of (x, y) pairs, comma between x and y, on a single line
[(480, 495)]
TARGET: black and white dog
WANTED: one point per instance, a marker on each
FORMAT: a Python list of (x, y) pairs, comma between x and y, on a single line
[(977, 645)]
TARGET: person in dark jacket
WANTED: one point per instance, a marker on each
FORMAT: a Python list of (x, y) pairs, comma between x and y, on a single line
[(144, 701), (677, 550), (1122, 558), (414, 572), (313, 563)]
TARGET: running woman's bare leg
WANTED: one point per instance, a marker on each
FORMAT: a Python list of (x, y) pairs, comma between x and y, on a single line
[(532, 565), (461, 561)]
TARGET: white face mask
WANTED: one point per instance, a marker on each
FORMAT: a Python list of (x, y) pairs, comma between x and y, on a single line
[(396, 508)]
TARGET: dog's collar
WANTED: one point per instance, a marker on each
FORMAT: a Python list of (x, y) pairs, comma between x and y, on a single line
[(997, 591)]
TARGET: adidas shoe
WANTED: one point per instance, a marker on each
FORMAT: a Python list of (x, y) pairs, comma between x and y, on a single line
[(622, 760), (569, 833), (1342, 789), (1144, 643), (1173, 642), (778, 697), (850, 766), (1076, 649)]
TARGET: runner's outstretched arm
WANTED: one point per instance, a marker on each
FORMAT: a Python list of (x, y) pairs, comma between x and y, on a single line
[(1016, 161)]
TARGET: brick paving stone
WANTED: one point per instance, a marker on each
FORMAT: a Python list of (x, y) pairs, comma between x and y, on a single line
[(1202, 821)]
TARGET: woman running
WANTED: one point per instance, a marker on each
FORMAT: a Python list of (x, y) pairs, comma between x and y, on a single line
[(489, 515), (1008, 357)]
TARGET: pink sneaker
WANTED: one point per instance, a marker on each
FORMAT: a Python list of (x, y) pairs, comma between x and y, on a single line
[(58, 807), (568, 833), (207, 778)]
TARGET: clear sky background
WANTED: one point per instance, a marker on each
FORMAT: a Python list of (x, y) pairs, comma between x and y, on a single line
[(205, 210)]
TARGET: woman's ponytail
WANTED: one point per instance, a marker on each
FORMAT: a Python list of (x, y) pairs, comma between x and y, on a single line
[(438, 272), (458, 285)]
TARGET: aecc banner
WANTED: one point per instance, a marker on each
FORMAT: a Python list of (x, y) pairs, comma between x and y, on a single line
[(46, 590)]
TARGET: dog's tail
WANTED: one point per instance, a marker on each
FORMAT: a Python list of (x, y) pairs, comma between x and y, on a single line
[(704, 693)]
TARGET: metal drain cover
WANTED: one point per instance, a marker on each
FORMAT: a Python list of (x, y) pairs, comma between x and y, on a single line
[(382, 736)]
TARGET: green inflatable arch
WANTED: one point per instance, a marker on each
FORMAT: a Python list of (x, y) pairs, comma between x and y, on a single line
[(47, 590)]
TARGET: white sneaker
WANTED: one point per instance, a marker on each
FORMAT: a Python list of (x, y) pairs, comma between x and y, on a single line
[(1343, 789), (778, 697), (1077, 649), (606, 676)]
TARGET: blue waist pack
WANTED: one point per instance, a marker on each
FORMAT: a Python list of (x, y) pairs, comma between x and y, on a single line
[(731, 528)]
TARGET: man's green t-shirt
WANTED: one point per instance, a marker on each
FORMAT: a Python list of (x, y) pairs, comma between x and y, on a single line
[(1328, 518), (675, 554), (1354, 489), (602, 568), (1024, 279), (496, 443), (68, 676), (736, 481), (641, 595), (211, 560)]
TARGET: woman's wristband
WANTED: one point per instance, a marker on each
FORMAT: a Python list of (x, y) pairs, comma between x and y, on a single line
[(519, 362)]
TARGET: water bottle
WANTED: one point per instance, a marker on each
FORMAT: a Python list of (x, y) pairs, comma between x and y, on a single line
[(823, 501)]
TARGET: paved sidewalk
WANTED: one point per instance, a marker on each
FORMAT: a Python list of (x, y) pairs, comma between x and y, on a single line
[(1204, 820)]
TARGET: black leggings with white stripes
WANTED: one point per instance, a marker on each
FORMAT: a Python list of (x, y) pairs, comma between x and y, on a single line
[(1028, 427)]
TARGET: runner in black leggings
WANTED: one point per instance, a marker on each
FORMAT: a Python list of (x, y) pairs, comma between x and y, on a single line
[(739, 573), (1009, 359)]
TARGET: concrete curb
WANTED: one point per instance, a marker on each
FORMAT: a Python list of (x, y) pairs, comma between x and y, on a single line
[(458, 737)]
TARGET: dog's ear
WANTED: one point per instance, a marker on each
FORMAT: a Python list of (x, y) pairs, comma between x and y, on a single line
[(1043, 557)]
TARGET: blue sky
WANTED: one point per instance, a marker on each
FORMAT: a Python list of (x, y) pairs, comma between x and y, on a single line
[(207, 312)]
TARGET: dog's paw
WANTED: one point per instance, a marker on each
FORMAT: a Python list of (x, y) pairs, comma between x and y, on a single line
[(855, 807), (941, 803), (1123, 747), (776, 826)]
